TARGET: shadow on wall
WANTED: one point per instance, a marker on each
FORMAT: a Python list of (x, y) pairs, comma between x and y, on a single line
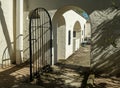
[(6, 35), (26, 43), (106, 42), (38, 34)]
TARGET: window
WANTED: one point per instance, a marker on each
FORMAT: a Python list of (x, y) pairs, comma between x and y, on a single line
[(69, 37), (74, 33)]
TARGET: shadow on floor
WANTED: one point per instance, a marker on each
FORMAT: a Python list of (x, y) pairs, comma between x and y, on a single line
[(14, 76), (63, 76)]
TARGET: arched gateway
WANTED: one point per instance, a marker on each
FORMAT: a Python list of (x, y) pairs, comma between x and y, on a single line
[(40, 40)]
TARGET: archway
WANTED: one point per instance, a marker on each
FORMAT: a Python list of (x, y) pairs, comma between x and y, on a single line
[(76, 36), (65, 20)]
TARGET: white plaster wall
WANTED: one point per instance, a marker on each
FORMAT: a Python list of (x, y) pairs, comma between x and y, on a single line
[(87, 30), (61, 42), (25, 36), (77, 41), (76, 44), (6, 28), (61, 35), (71, 17)]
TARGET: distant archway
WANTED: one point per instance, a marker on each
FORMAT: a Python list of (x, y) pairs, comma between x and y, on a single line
[(76, 36)]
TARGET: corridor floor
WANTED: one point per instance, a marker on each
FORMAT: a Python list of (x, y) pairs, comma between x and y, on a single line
[(65, 74), (68, 73)]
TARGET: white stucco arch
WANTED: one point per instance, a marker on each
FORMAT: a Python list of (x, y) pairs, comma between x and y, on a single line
[(70, 15), (76, 36), (77, 26)]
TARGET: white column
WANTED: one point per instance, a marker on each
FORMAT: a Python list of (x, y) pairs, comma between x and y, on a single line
[(19, 31)]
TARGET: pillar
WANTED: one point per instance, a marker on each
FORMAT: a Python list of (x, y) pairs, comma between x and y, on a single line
[(19, 31)]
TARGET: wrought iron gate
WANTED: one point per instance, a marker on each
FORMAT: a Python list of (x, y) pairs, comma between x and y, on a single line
[(40, 41)]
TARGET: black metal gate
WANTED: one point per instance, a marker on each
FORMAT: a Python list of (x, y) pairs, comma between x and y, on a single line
[(40, 41)]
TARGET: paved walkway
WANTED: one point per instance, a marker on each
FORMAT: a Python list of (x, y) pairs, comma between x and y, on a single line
[(66, 73)]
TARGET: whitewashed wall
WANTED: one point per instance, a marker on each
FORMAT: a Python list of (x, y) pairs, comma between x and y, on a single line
[(61, 42), (61, 38), (76, 44), (71, 17), (87, 29), (6, 29)]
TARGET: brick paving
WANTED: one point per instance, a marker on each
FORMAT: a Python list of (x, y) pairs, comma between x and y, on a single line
[(66, 73)]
